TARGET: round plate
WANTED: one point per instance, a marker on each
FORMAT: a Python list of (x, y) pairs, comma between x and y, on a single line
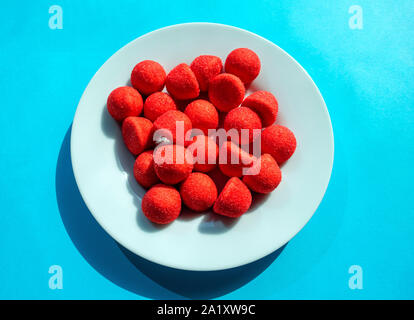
[(103, 166)]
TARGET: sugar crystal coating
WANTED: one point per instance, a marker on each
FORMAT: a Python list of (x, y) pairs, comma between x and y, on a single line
[(264, 104), (148, 77), (157, 104), (205, 68), (205, 153), (198, 192), (243, 118), (265, 175), (226, 92), (144, 171), (124, 102), (243, 63), (172, 163), (233, 159), (170, 123), (203, 115), (182, 83), (234, 200), (137, 134), (161, 204), (279, 142)]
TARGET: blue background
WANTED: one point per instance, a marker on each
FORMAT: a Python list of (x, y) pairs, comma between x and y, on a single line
[(366, 218)]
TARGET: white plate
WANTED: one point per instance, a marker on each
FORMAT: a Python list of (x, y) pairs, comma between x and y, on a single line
[(103, 166)]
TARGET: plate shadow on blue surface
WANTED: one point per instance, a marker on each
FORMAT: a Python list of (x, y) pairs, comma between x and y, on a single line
[(128, 270)]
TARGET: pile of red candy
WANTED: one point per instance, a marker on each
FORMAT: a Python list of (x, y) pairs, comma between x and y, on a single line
[(200, 96)]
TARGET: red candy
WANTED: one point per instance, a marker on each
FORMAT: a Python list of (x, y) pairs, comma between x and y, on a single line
[(207, 160), (243, 63), (264, 104), (205, 68), (161, 204), (124, 102), (172, 163), (144, 171), (234, 200), (226, 92), (279, 142), (233, 159), (243, 118), (181, 83), (198, 192), (157, 104), (167, 124), (203, 115), (137, 134), (264, 175), (148, 77), (226, 187), (219, 178)]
